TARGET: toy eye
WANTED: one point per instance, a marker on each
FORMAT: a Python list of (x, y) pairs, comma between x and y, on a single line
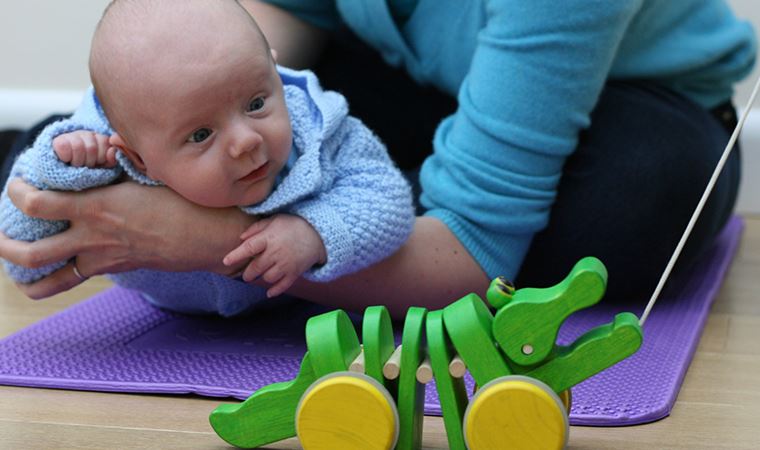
[(506, 286), (500, 292)]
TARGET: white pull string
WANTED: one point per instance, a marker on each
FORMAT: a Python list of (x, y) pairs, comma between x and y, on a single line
[(700, 205)]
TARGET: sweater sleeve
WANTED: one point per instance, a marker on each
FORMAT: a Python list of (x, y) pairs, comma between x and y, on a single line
[(39, 166), (367, 213), (536, 73)]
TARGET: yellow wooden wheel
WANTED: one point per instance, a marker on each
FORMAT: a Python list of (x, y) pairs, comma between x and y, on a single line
[(515, 412), (347, 410)]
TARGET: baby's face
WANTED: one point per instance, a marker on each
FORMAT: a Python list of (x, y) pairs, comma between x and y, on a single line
[(219, 132)]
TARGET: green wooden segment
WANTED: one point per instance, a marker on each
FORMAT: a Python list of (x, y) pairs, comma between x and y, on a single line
[(332, 342), (526, 328), (591, 353), (451, 391), (267, 416), (377, 338), (468, 322), (500, 292), (411, 393)]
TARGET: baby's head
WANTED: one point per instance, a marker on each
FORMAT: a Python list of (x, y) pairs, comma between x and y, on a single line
[(191, 89)]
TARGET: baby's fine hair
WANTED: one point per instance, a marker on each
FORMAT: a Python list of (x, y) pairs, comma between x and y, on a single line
[(127, 25)]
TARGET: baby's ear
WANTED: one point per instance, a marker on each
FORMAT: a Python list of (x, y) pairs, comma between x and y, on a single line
[(117, 141)]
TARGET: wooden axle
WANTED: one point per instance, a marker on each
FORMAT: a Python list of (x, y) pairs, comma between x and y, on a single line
[(392, 367), (424, 373)]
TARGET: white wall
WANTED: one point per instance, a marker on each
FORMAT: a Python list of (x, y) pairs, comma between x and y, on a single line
[(749, 191), (46, 44), (43, 48), (750, 10)]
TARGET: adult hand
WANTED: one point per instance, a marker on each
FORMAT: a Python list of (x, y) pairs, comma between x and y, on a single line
[(119, 228)]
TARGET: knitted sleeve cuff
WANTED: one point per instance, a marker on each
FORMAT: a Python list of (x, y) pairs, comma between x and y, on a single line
[(336, 236), (47, 171), (497, 253)]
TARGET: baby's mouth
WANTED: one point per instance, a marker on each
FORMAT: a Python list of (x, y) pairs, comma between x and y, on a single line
[(257, 174)]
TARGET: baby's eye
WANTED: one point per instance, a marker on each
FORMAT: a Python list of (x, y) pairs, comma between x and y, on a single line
[(256, 104), (200, 135)]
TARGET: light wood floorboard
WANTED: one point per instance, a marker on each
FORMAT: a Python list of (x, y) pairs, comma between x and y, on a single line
[(718, 405)]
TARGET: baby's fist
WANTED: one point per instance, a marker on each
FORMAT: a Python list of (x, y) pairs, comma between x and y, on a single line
[(85, 148)]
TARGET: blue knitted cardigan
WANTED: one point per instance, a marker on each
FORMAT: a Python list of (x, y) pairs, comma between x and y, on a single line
[(341, 181)]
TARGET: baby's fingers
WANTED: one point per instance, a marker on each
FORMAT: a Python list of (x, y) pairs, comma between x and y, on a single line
[(63, 148), (257, 267), (281, 286), (248, 249), (91, 148), (101, 149), (255, 228), (110, 157)]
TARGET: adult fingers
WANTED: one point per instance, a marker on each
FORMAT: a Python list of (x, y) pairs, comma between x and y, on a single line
[(61, 280), (59, 247), (50, 205)]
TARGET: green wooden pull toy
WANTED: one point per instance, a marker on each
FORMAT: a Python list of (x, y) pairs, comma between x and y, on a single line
[(377, 335), (469, 324), (527, 325), (331, 341), (268, 415), (524, 377), (591, 353), (451, 390)]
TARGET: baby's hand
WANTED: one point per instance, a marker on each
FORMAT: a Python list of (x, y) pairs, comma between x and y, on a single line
[(282, 247), (85, 148)]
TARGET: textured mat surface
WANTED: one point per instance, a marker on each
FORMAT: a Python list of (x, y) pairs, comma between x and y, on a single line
[(117, 342)]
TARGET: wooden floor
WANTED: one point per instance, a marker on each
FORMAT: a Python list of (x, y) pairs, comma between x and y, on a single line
[(718, 406)]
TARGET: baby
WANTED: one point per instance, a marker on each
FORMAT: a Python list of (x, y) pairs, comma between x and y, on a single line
[(186, 93)]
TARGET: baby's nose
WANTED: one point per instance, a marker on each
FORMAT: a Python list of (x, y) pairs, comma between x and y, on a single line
[(246, 142)]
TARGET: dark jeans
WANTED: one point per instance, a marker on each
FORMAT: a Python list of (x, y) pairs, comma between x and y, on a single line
[(629, 190), (626, 193)]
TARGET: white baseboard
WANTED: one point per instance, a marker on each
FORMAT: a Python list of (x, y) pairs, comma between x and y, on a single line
[(22, 108), (749, 190)]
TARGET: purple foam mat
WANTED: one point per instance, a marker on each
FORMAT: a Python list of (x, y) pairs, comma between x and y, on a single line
[(115, 341)]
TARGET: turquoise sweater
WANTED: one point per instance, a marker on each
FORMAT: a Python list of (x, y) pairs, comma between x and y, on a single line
[(527, 74)]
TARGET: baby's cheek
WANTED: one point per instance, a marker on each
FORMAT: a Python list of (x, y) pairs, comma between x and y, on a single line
[(284, 137), (203, 190)]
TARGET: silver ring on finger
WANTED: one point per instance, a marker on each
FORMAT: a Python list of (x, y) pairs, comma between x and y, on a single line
[(77, 272)]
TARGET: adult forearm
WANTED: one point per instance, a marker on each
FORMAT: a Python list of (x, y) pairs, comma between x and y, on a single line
[(432, 269), (122, 227), (298, 44)]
